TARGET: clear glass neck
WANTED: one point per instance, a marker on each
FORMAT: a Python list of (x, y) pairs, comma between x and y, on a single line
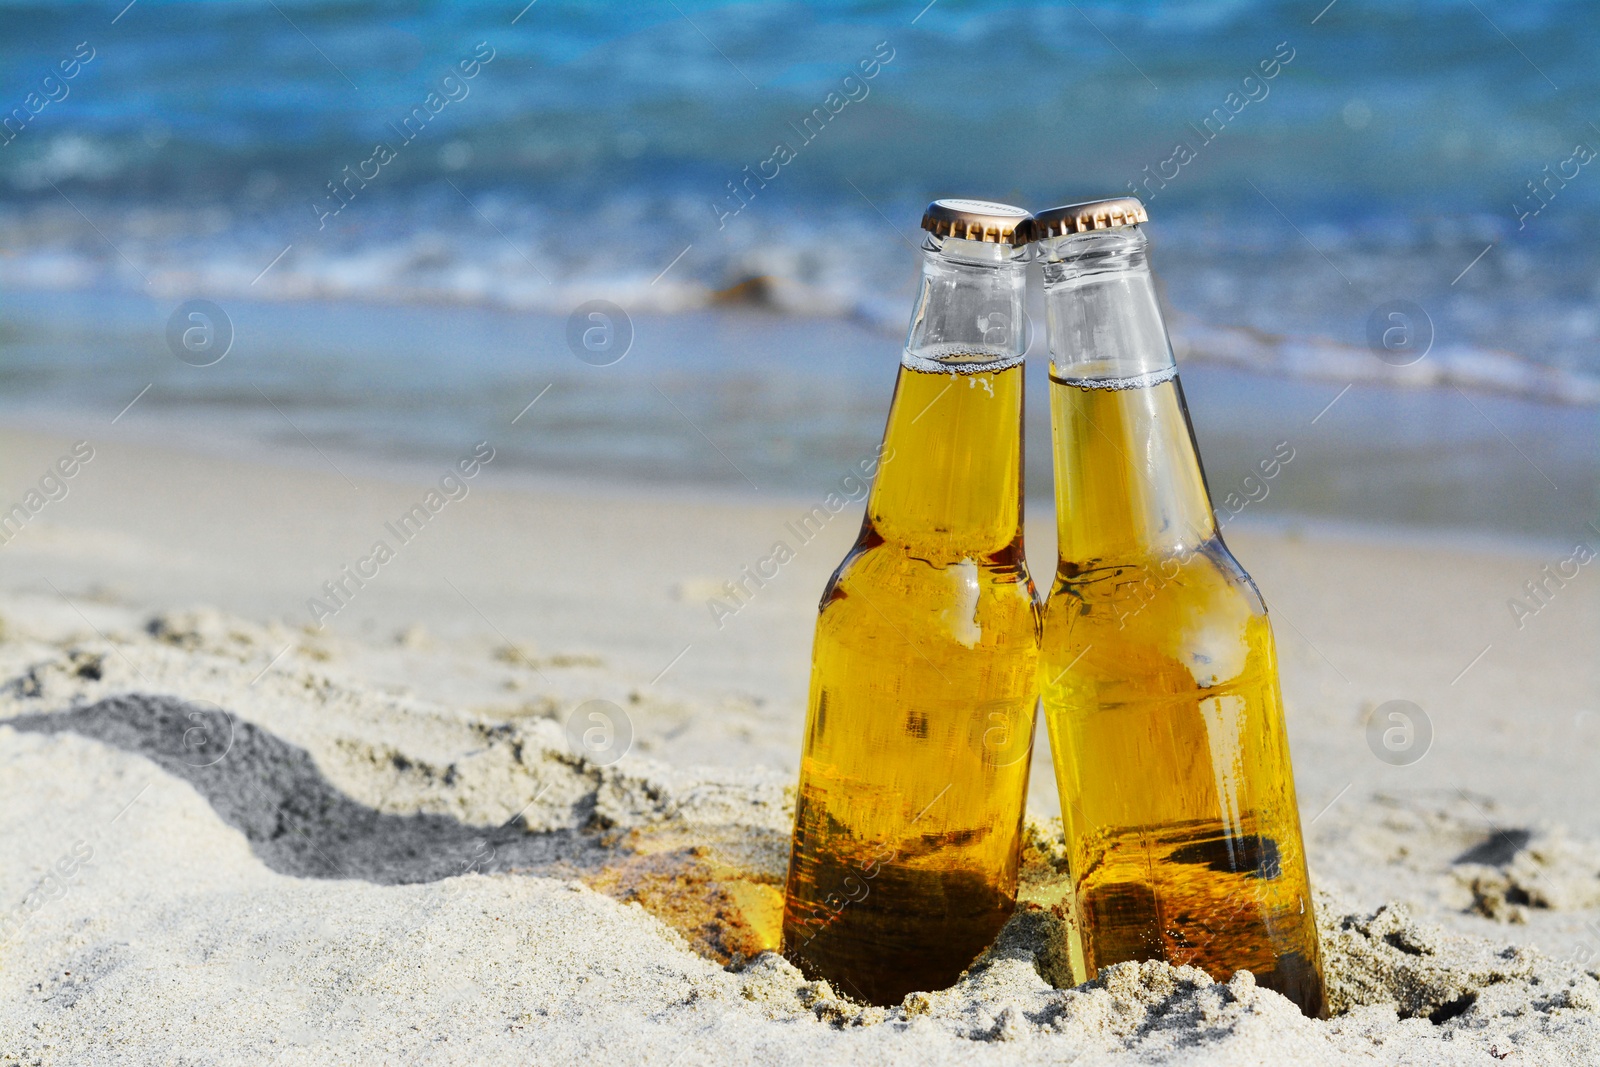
[(969, 306), (1129, 486), (1104, 321), (950, 484)]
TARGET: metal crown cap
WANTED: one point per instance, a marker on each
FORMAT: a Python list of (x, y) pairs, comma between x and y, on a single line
[(1089, 215), (979, 220)]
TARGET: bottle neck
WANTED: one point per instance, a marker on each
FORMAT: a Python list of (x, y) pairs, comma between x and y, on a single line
[(950, 483), (1129, 485), (1100, 298)]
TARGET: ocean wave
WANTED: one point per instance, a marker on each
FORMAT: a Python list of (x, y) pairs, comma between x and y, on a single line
[(1324, 359), (649, 254), (1242, 304)]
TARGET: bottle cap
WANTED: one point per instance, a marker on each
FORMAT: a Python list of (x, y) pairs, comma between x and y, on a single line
[(979, 220), (1089, 215)]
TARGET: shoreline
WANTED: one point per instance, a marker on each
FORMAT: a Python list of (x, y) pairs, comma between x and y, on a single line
[(715, 404), (202, 440), (1344, 485)]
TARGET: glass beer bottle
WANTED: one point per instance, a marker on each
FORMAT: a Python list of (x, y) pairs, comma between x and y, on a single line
[(1157, 670), (919, 728)]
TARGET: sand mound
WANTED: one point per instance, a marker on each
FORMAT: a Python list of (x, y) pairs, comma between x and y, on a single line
[(1539, 867), (206, 861)]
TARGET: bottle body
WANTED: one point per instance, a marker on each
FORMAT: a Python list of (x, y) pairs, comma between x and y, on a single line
[(919, 727), (1158, 670)]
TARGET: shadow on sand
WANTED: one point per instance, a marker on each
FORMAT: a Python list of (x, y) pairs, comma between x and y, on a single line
[(296, 821)]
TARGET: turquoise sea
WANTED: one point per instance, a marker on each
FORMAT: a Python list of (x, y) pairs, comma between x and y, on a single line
[(400, 215)]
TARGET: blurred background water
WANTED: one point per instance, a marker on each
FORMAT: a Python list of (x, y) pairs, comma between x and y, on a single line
[(398, 207)]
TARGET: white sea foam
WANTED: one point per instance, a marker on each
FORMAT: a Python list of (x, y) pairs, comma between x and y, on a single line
[(1318, 358), (415, 251)]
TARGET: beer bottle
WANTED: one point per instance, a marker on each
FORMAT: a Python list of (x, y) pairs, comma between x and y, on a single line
[(919, 728), (1157, 670)]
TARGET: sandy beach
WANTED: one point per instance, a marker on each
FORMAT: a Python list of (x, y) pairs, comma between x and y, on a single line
[(232, 836), (426, 431)]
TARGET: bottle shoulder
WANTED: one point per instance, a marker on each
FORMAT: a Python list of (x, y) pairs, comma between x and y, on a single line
[(893, 584), (1208, 573), (1198, 614), (878, 560), (1167, 647)]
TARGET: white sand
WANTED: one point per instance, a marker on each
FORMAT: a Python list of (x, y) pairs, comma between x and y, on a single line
[(376, 844)]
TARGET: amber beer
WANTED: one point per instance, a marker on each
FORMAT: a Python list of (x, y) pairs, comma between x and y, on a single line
[(1158, 674), (923, 684)]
